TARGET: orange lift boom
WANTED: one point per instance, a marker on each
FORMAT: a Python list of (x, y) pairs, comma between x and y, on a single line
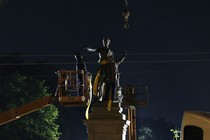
[(14, 114), (67, 83)]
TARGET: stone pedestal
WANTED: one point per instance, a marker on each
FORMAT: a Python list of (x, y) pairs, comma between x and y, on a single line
[(106, 125)]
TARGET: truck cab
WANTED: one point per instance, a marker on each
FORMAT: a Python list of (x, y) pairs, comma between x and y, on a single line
[(195, 125)]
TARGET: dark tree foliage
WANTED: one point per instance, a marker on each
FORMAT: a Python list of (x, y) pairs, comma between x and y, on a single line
[(160, 128), (16, 90), (70, 119), (145, 133)]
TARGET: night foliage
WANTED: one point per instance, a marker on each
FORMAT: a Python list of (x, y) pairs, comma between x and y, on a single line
[(16, 90), (15, 64), (145, 133), (155, 129)]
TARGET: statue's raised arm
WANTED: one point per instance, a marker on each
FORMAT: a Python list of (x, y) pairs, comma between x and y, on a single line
[(89, 49), (122, 58)]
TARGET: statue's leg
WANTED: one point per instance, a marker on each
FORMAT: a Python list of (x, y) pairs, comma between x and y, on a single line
[(102, 90), (114, 91), (108, 95), (96, 83)]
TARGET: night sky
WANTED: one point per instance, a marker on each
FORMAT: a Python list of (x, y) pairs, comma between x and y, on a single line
[(168, 44)]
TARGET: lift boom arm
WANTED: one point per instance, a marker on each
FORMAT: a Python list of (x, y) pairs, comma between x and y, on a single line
[(67, 82), (16, 113)]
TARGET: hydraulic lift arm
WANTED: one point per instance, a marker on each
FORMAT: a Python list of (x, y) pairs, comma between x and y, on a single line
[(67, 82), (25, 109)]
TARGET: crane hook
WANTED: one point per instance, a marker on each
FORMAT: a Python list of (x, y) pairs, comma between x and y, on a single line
[(126, 14)]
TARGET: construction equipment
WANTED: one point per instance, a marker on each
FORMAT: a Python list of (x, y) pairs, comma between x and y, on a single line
[(67, 85), (126, 13), (195, 125), (68, 94)]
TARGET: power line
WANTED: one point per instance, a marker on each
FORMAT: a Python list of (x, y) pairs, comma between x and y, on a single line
[(43, 55), (127, 62), (169, 61), (163, 71), (70, 55), (35, 63), (188, 53)]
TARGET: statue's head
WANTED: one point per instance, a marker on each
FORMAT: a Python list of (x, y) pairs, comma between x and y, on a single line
[(106, 42), (78, 57)]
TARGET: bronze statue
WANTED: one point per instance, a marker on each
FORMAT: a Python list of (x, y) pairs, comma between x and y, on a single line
[(105, 82)]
